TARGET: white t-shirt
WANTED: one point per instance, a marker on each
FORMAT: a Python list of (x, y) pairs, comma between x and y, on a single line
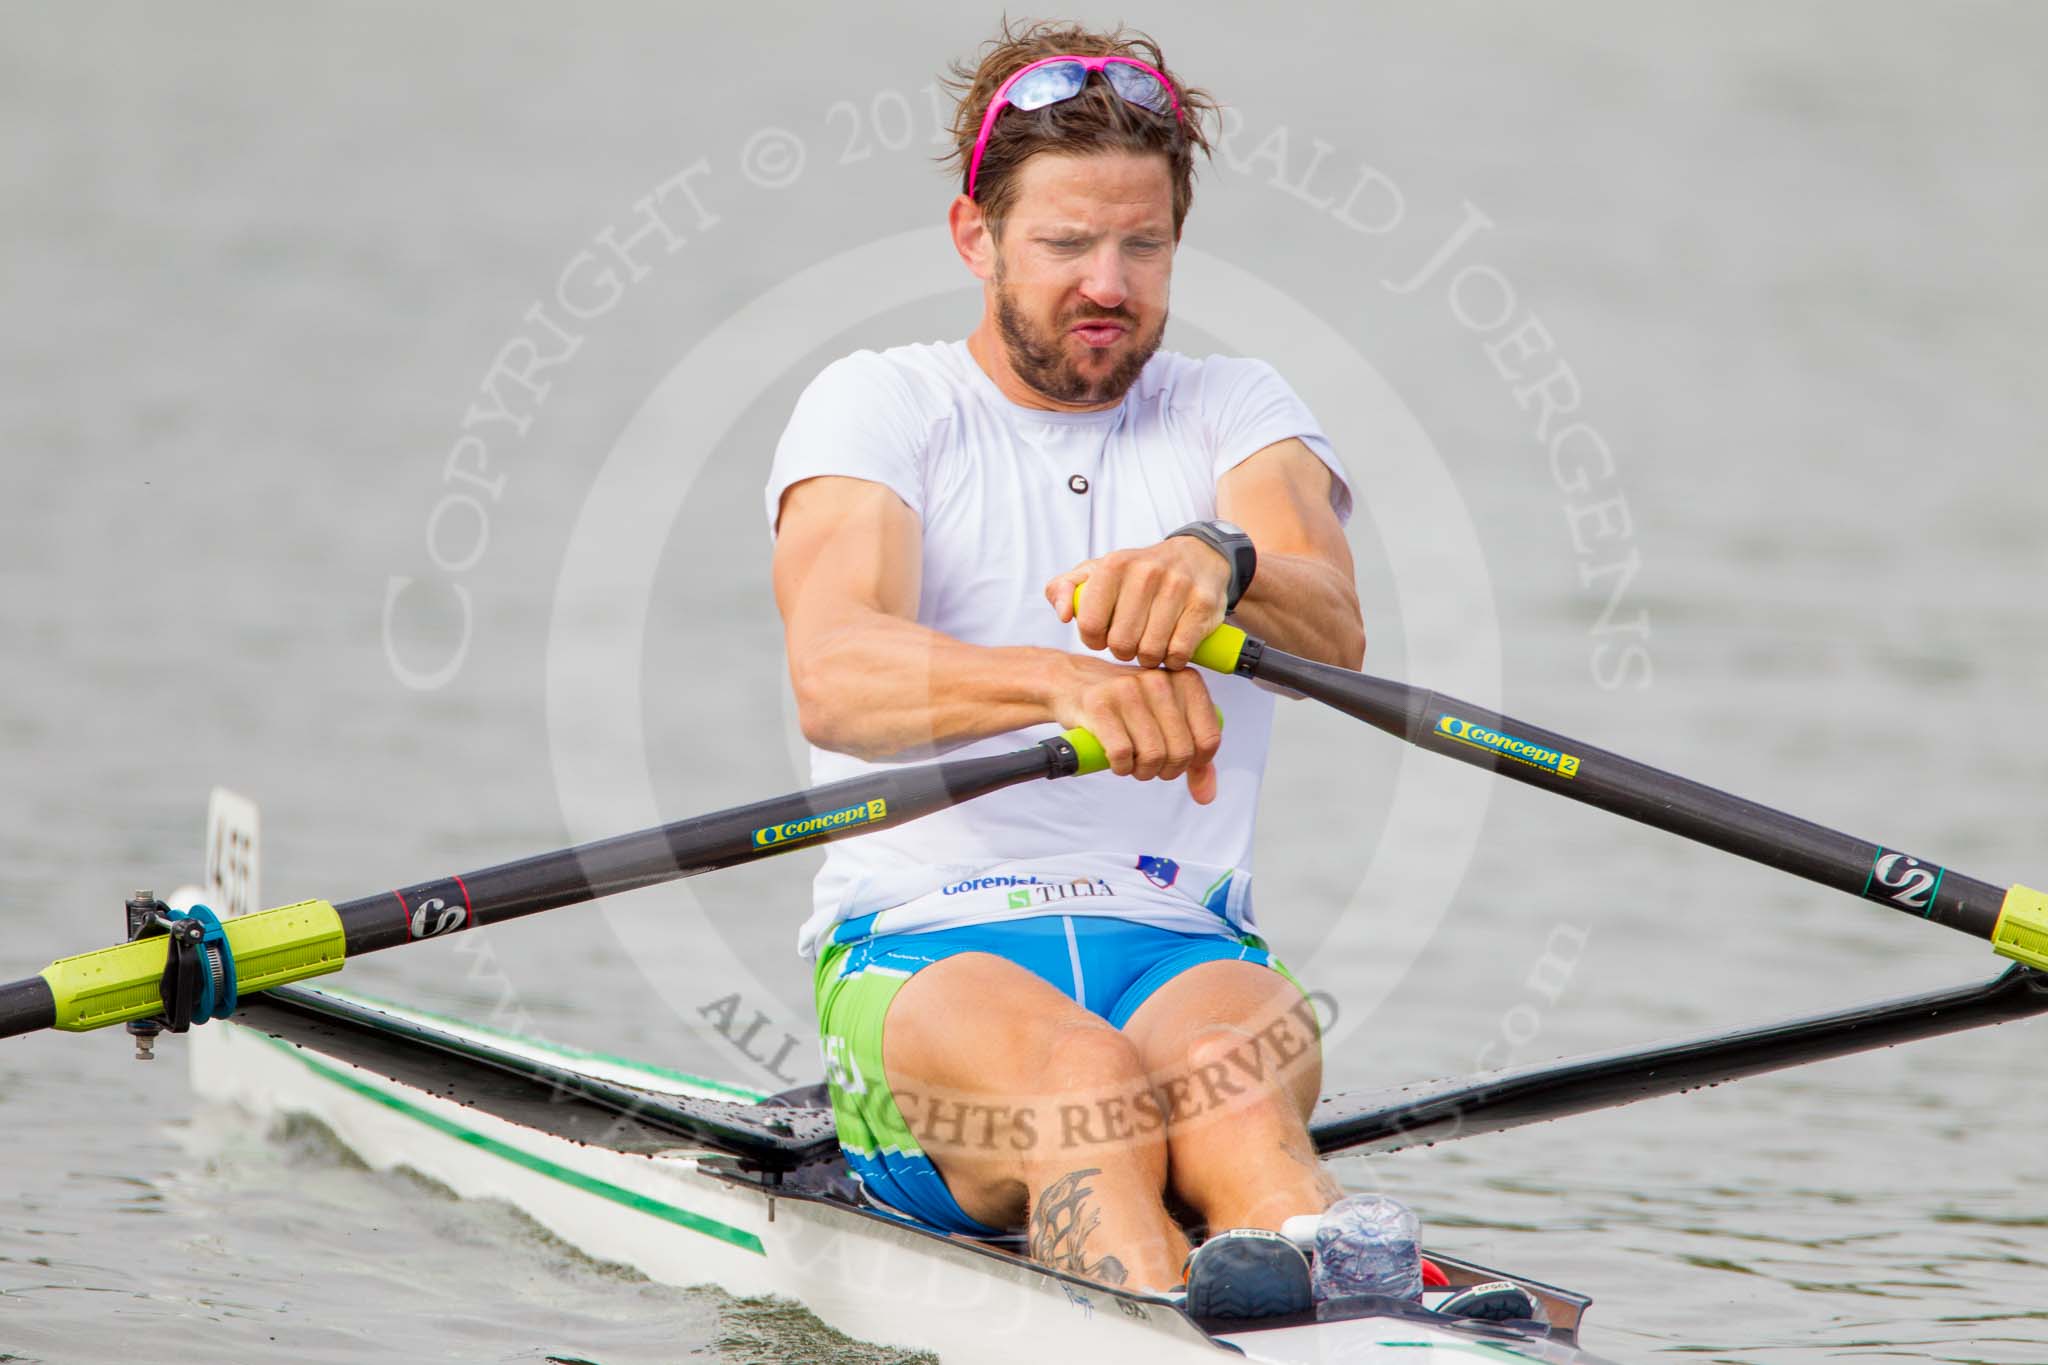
[(1010, 497)]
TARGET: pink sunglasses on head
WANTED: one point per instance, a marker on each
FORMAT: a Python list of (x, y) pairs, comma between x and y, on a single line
[(1052, 79)]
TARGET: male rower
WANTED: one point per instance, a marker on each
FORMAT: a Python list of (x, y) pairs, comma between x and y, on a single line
[(1050, 1009)]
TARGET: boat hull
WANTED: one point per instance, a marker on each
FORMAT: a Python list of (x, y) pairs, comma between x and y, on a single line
[(687, 1217)]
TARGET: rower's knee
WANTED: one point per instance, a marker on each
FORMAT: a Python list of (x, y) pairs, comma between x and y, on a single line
[(1240, 1153), (1099, 1104), (1231, 1068), (1225, 1062), (1091, 1054)]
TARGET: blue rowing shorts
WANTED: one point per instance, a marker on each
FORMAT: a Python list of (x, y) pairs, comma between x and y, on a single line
[(1109, 966)]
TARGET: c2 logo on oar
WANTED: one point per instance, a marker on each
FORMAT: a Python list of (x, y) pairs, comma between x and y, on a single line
[(435, 916), (435, 908), (1904, 880)]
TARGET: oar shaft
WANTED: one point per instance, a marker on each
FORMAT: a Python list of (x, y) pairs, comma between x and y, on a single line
[(294, 942), (683, 849), (1651, 796), (26, 1006), (2013, 919)]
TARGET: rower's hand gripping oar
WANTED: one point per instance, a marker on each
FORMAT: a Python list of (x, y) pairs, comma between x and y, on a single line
[(148, 976), (2013, 919)]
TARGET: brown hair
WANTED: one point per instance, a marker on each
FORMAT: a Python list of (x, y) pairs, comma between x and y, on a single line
[(1096, 120)]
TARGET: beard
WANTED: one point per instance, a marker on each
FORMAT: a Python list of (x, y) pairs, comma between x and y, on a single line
[(1041, 358)]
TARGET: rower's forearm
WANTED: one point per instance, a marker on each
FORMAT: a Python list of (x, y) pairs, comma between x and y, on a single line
[(1305, 607), (883, 687)]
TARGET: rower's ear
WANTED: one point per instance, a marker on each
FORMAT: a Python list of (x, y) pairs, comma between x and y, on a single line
[(974, 237)]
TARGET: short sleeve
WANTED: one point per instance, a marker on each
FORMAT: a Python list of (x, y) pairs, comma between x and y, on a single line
[(1251, 407), (858, 419)]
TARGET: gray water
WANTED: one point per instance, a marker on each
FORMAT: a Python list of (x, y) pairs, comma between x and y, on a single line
[(258, 262)]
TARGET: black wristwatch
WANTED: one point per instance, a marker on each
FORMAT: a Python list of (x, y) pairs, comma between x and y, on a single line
[(1229, 540)]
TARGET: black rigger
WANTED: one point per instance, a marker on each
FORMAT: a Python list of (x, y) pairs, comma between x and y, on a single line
[(1438, 1111)]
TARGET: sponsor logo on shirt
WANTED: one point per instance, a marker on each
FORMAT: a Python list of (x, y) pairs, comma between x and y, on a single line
[(1045, 893), (1161, 872), (814, 826), (984, 883)]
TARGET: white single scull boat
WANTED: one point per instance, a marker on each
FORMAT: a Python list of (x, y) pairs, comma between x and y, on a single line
[(693, 1183), (591, 1149)]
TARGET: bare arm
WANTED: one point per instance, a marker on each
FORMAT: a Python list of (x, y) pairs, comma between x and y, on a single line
[(872, 682), (1303, 598)]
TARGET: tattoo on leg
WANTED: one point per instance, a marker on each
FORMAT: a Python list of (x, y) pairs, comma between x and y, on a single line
[(1061, 1223)]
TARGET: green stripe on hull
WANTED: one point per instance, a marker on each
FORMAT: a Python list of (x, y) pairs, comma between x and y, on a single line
[(617, 1194), (577, 1054)]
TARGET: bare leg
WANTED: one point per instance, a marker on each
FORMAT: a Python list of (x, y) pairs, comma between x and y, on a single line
[(1002, 1079), (1233, 1047)]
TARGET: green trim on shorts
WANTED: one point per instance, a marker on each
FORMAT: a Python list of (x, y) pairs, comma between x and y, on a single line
[(1273, 961), (851, 1013)]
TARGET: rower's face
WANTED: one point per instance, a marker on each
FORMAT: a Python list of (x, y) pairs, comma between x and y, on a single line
[(1082, 271)]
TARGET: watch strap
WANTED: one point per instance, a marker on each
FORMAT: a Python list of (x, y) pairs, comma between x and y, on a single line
[(1234, 545)]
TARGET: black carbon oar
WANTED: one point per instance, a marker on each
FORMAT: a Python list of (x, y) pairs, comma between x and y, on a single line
[(2013, 919), (309, 938)]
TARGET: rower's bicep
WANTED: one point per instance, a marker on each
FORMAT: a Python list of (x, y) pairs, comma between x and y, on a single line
[(843, 547)]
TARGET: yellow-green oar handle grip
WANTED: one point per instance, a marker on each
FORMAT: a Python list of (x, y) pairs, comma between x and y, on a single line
[(1220, 648), (1088, 749)]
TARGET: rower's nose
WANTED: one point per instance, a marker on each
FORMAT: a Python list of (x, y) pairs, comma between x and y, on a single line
[(1105, 281)]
